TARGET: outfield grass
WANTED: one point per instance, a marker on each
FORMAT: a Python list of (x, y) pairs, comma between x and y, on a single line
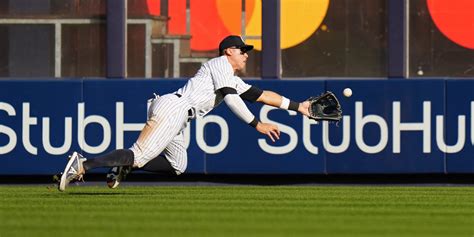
[(237, 211)]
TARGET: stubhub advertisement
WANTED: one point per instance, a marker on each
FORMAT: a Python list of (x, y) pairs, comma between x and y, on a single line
[(389, 126)]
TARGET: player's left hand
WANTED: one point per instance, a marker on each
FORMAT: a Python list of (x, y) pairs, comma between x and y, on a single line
[(325, 107), (271, 130), (304, 108)]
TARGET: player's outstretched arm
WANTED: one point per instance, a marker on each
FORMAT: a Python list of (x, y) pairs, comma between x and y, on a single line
[(274, 99), (238, 107)]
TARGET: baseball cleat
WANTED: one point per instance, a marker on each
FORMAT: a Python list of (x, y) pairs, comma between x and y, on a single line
[(73, 171), (57, 179), (116, 175)]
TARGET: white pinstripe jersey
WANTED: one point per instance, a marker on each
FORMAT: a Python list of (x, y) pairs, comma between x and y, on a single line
[(201, 90), (200, 93)]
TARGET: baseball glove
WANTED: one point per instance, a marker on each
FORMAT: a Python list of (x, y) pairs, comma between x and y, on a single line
[(325, 107)]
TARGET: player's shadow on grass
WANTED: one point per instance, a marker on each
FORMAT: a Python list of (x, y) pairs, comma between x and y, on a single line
[(105, 193)]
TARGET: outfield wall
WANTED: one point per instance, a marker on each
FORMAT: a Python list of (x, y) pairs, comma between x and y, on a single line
[(389, 126)]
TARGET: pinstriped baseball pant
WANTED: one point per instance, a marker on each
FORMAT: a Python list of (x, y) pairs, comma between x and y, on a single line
[(164, 133)]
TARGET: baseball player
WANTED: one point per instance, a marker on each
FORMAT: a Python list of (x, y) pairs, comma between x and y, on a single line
[(160, 145)]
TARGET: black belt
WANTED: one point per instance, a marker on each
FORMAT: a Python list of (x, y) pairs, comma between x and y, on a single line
[(190, 111)]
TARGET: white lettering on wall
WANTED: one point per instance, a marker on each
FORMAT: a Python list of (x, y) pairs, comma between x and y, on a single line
[(472, 123), (346, 136), (307, 135), (7, 130), (440, 135), (262, 142), (361, 121), (9, 134), (424, 126), (25, 135), (201, 123), (64, 148)]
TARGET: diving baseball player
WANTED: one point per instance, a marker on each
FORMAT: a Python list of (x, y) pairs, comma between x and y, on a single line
[(160, 145)]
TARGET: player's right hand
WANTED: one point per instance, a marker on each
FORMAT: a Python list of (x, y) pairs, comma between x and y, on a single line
[(271, 130)]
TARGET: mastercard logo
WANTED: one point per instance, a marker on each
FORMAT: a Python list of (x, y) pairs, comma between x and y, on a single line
[(455, 19), (212, 20)]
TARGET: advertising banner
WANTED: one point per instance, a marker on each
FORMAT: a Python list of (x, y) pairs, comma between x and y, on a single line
[(389, 126)]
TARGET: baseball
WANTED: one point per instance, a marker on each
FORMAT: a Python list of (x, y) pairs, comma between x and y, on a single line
[(347, 92)]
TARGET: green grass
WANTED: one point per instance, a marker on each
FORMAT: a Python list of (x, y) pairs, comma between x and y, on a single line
[(237, 211)]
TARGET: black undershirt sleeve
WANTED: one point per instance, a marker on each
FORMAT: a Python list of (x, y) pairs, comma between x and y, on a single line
[(252, 94), (227, 90)]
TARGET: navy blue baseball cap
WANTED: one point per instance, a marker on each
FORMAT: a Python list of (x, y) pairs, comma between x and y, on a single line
[(234, 41)]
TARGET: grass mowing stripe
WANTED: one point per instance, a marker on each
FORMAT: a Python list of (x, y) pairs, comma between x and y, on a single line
[(238, 211)]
